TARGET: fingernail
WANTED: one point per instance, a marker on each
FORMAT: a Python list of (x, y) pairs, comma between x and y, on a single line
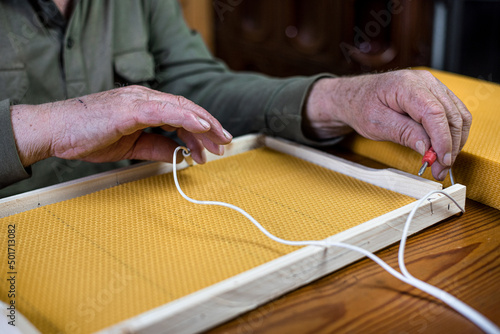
[(204, 123), (447, 159), (221, 150), (420, 145), (227, 134), (443, 174)]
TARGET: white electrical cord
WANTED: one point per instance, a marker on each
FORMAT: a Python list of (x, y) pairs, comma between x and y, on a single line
[(468, 312)]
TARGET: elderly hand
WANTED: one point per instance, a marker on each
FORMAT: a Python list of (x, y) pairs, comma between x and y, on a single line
[(408, 107), (108, 126)]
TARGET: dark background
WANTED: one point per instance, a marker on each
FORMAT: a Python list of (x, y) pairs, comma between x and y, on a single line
[(290, 37)]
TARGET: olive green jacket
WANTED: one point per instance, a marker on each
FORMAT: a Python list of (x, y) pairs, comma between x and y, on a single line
[(106, 44)]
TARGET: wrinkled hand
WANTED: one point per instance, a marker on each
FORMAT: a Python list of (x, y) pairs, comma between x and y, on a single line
[(408, 107), (108, 126)]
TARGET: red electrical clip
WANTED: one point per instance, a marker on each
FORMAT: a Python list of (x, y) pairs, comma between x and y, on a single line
[(428, 159)]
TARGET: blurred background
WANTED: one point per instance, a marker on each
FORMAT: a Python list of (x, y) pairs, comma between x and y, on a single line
[(292, 37)]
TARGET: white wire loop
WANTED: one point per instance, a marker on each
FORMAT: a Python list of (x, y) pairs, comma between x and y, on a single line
[(465, 310), (186, 152)]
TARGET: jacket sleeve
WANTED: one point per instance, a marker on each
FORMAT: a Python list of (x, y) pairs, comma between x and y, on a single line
[(11, 168), (242, 102)]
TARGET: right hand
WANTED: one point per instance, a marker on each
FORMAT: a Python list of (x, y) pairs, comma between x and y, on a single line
[(408, 107), (108, 126)]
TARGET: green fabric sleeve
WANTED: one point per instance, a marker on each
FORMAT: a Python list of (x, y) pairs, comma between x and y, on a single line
[(11, 168), (242, 102)]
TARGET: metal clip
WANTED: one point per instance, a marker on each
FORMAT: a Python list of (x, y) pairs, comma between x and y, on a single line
[(429, 200), (186, 152)]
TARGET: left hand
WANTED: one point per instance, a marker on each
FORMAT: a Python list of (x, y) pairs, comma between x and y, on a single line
[(108, 126), (408, 107)]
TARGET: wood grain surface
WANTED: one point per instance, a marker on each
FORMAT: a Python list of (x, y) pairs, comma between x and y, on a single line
[(460, 255)]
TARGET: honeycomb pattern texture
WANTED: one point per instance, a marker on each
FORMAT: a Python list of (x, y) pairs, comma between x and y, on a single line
[(90, 262), (478, 165)]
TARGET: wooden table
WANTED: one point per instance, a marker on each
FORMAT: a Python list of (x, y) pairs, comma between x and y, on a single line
[(460, 255)]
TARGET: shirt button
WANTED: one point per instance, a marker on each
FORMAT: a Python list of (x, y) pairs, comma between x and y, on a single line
[(70, 42)]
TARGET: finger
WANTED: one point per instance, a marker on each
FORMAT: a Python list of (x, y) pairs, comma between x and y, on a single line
[(455, 129), (154, 147), (453, 114), (176, 117), (217, 132), (159, 113), (439, 171), (466, 116), (426, 109), (409, 94), (209, 144), (405, 131), (196, 147), (148, 108), (207, 139), (399, 128), (180, 102), (204, 138)]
